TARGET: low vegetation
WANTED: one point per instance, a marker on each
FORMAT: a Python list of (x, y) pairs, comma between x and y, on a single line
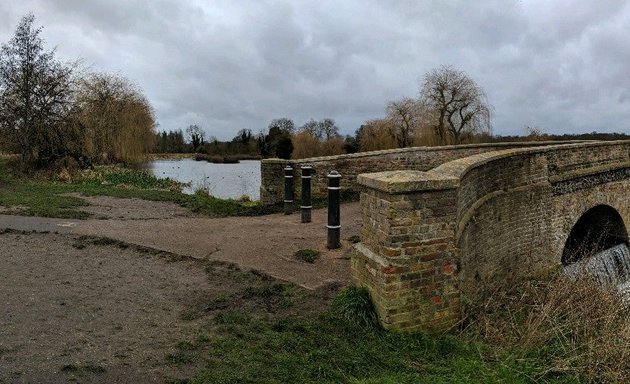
[(556, 331), (46, 194), (559, 327), (308, 255)]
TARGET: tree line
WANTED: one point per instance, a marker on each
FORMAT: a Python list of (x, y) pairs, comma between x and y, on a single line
[(50, 110), (451, 109), (282, 138)]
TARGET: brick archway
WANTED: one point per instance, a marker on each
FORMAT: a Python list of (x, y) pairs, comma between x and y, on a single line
[(599, 228)]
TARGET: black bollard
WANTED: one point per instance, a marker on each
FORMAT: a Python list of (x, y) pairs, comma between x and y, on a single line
[(288, 190), (306, 205), (334, 219)]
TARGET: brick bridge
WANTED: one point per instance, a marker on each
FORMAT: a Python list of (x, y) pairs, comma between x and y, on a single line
[(430, 238), (440, 224)]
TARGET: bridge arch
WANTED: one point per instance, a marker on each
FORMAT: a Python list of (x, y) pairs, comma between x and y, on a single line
[(600, 227)]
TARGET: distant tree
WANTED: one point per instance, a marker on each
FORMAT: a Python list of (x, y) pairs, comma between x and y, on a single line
[(284, 124), (329, 128), (305, 145), (195, 136), (535, 133), (116, 120), (35, 97), (323, 129), (376, 135), (313, 128), (262, 143), (350, 144), (406, 117), (460, 106), (244, 135), (170, 142), (284, 146)]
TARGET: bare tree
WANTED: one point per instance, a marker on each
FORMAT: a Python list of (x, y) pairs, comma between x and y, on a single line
[(406, 116), (195, 135), (460, 105), (284, 124), (313, 128), (535, 133), (323, 129), (329, 128), (35, 96)]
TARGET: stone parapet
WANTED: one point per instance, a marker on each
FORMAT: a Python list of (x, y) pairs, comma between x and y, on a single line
[(429, 238), (351, 165)]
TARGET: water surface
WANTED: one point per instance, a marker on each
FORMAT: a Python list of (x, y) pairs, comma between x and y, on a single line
[(220, 180)]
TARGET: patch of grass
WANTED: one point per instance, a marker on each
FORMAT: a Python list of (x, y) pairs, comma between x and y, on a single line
[(308, 255), (87, 367), (186, 346), (354, 305), (313, 342), (220, 298), (179, 358), (559, 327), (255, 347), (188, 315), (274, 294)]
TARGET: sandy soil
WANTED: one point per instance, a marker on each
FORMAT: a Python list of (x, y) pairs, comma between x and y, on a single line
[(105, 314)]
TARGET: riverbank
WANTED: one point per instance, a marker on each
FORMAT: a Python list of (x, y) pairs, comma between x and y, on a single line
[(50, 195)]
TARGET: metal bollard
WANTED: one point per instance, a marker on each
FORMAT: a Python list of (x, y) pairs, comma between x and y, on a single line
[(306, 205), (288, 190), (334, 219)]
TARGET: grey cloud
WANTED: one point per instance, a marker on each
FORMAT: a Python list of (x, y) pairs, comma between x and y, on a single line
[(232, 64)]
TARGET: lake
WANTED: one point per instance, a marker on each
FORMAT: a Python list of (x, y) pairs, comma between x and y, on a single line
[(220, 180)]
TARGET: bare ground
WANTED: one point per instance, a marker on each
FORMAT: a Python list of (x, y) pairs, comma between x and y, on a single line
[(74, 311), (69, 312)]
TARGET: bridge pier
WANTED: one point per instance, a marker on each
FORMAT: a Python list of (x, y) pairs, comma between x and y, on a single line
[(408, 258)]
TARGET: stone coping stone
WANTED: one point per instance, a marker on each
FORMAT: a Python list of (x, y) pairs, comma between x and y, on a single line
[(421, 149), (449, 175)]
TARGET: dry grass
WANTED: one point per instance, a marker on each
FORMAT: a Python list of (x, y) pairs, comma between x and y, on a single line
[(577, 327)]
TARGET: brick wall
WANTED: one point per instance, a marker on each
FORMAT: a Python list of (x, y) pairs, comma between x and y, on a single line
[(427, 238), (418, 158)]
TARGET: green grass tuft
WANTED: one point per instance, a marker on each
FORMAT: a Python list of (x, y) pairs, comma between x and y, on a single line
[(355, 305), (308, 255)]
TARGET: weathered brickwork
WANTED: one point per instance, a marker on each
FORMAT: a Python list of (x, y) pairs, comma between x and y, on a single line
[(430, 238), (419, 158)]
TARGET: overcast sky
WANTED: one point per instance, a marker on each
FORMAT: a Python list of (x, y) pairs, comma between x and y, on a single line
[(561, 65)]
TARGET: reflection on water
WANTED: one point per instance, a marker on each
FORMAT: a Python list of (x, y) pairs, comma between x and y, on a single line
[(220, 180)]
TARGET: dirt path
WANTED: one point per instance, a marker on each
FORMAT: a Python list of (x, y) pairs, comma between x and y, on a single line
[(87, 313), (266, 243), (73, 311)]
